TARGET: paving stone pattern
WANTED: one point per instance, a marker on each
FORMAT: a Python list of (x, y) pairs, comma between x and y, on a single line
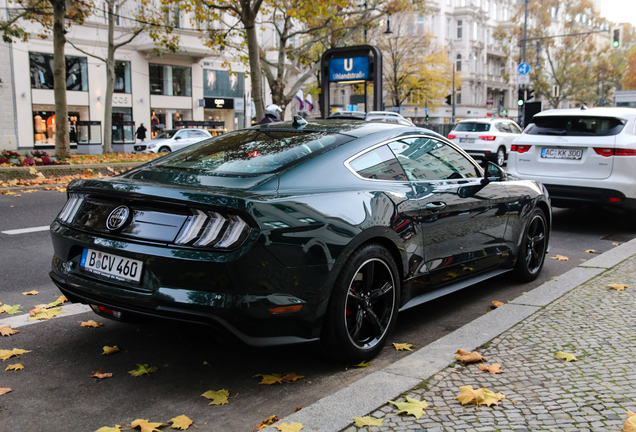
[(594, 322)]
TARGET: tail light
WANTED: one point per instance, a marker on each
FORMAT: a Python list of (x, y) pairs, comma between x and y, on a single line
[(607, 152), (519, 148), (71, 208), (451, 136), (211, 229), (488, 137)]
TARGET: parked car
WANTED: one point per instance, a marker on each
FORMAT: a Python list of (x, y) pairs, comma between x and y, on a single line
[(171, 140), (487, 139), (291, 232), (583, 156)]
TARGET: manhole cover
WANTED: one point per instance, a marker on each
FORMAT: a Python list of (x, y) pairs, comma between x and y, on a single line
[(619, 237)]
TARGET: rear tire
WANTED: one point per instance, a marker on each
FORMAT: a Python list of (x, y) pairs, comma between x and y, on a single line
[(501, 156), (363, 306), (533, 247)]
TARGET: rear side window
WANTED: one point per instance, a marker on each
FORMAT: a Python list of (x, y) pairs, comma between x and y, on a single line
[(576, 126), (379, 164), (472, 127), (503, 127)]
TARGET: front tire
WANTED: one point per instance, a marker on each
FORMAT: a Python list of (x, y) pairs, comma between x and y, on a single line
[(533, 247), (363, 306), (164, 149)]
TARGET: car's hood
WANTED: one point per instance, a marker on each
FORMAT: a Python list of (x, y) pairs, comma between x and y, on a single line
[(158, 141)]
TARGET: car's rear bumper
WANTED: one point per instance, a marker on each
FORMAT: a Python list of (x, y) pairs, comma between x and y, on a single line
[(575, 196)]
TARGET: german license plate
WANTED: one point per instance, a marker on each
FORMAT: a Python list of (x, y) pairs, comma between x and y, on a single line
[(554, 153), (111, 266), (467, 140)]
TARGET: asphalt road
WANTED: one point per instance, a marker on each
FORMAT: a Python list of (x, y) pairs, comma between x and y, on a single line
[(55, 392)]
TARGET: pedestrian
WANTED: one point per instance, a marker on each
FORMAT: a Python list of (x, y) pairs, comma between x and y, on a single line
[(271, 114), (141, 132)]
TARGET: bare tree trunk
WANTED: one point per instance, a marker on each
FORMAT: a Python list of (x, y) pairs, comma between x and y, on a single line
[(110, 81), (62, 146), (249, 21)]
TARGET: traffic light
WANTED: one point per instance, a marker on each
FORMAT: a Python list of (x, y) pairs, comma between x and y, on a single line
[(529, 94), (520, 97), (426, 116), (449, 99), (617, 37)]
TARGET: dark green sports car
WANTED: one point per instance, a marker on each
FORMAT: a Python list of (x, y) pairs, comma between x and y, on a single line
[(297, 231)]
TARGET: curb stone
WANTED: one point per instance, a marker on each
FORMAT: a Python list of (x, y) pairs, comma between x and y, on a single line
[(334, 412)]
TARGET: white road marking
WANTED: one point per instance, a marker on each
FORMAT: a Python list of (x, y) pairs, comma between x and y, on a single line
[(26, 230), (23, 320)]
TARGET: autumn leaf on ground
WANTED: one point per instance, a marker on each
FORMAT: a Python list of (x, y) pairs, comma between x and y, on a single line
[(100, 375), (590, 251), (411, 407), (109, 429), (267, 422), (145, 425), (90, 323), (469, 357), (8, 331), (143, 369), (60, 300), (629, 425), (32, 292), (497, 303), (617, 286), (4, 390), (560, 258), (33, 171), (616, 244), (270, 379), (491, 397), (367, 421), (292, 377), (495, 368), (470, 395), (6, 354), (217, 397), (363, 364), (110, 350), (566, 356), (15, 367), (11, 310), (286, 427), (402, 346), (45, 314), (181, 422)]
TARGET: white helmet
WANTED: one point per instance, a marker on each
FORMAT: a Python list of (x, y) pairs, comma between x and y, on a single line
[(273, 110)]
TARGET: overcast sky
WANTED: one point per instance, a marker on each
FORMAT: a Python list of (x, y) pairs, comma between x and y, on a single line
[(619, 10)]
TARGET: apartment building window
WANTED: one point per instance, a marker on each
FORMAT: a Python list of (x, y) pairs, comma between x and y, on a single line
[(420, 24), (554, 13), (458, 96), (41, 67), (459, 63), (505, 14), (122, 77), (475, 31), (105, 5), (170, 80), (485, 5), (433, 26), (448, 28), (460, 33), (173, 16), (494, 11)]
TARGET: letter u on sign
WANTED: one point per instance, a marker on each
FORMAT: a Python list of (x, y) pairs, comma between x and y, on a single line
[(348, 65)]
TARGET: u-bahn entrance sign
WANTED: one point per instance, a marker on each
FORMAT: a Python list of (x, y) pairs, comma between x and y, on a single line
[(351, 65)]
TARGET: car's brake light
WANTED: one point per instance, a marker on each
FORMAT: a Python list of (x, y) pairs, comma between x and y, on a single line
[(451, 136), (213, 230), (607, 152), (488, 137), (615, 199), (71, 208), (519, 148), (624, 152)]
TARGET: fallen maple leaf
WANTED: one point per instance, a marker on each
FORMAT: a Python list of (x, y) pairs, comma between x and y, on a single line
[(270, 379), (100, 375), (15, 367), (286, 427), (217, 397), (32, 292), (117, 428), (181, 422), (6, 354), (367, 421), (8, 331), (411, 407), (90, 323), (616, 244), (629, 425), (110, 350), (267, 422), (143, 369), (145, 425), (402, 346), (363, 364), (566, 356), (495, 368), (44, 314), (469, 357), (617, 286), (590, 251), (560, 258), (60, 300), (491, 397), (292, 377), (4, 390), (470, 395), (11, 310), (497, 304)]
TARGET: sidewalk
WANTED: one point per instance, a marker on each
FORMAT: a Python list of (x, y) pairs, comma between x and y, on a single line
[(576, 313)]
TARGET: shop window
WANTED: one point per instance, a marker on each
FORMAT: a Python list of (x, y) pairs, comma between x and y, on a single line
[(123, 126), (41, 65), (170, 80), (44, 123), (223, 83), (122, 77)]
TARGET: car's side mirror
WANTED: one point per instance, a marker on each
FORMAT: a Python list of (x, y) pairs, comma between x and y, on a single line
[(177, 138), (493, 173)]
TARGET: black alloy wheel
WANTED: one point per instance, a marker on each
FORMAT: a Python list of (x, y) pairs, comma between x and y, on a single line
[(533, 247), (501, 156), (363, 308)]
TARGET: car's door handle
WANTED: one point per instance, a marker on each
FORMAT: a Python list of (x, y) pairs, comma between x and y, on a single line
[(435, 206)]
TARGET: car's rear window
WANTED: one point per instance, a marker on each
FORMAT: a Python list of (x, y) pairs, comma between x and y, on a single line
[(252, 151), (575, 126), (472, 127)]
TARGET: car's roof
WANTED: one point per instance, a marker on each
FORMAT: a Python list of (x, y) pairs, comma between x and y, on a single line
[(347, 127), (484, 120), (620, 112)]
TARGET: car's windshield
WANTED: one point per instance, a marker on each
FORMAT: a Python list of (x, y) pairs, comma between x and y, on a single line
[(253, 151), (575, 126), (166, 134), (472, 127)]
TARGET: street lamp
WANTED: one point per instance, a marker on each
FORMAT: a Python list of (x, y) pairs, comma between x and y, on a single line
[(388, 25)]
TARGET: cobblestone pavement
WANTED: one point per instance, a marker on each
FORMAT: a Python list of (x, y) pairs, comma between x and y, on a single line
[(596, 323)]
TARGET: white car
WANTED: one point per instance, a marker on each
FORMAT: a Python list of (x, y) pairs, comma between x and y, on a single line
[(487, 139), (582, 156), (171, 140)]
